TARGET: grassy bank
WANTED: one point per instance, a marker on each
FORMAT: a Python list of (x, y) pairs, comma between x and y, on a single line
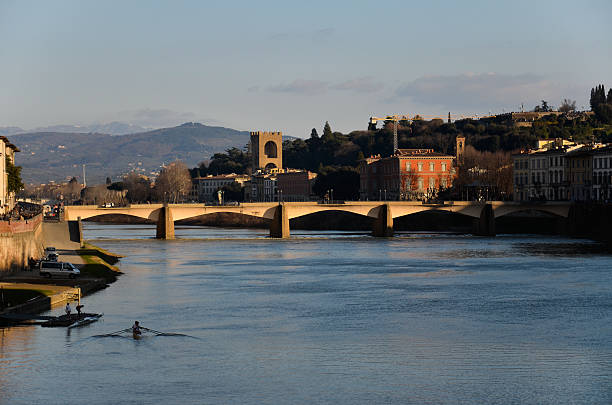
[(92, 250), (99, 263)]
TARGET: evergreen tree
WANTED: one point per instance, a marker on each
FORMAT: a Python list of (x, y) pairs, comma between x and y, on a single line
[(314, 134), (327, 132), (609, 99), (598, 96)]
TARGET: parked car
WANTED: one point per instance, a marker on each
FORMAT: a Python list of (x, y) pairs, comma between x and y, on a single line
[(58, 269), (51, 254)]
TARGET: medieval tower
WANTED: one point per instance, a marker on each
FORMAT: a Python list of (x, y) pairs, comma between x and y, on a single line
[(460, 149), (267, 150)]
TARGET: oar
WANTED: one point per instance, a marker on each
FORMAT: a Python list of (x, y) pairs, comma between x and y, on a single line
[(119, 331), (152, 330), (158, 333)]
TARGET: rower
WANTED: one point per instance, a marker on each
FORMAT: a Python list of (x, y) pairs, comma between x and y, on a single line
[(136, 329)]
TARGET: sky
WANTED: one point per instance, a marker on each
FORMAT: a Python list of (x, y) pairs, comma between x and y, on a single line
[(290, 66)]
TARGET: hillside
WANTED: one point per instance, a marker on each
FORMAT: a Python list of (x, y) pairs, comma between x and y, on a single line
[(56, 156)]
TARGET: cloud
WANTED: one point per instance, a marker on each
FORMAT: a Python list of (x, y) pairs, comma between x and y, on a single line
[(482, 91), (301, 86), (253, 89), (364, 84)]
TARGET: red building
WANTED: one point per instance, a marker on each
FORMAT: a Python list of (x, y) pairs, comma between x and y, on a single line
[(410, 174)]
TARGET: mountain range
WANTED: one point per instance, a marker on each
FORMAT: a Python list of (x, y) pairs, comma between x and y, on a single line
[(60, 155), (111, 128)]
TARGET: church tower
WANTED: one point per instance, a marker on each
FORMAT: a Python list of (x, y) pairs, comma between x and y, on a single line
[(460, 149)]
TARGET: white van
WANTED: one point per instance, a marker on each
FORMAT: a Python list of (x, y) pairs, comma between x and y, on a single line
[(50, 269)]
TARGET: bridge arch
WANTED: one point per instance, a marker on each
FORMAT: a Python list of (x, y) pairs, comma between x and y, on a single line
[(557, 210)]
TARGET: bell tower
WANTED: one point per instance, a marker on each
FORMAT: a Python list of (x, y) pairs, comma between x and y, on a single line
[(460, 149)]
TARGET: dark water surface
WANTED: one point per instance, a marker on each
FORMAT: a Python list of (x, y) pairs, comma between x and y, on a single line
[(330, 317)]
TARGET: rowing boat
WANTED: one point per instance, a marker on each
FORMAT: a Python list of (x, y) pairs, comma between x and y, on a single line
[(87, 320)]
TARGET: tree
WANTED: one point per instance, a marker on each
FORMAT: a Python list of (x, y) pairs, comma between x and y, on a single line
[(609, 98), (327, 132), (544, 107), (231, 192), (567, 105), (314, 134), (15, 184), (603, 112), (73, 190), (232, 161), (173, 182), (598, 96), (344, 181), (138, 187)]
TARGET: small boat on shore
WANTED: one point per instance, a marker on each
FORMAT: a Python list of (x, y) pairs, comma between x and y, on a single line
[(85, 321), (71, 321)]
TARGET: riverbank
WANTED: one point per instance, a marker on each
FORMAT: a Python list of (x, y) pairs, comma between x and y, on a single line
[(29, 293)]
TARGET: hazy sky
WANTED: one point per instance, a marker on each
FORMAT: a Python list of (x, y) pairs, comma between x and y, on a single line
[(290, 66)]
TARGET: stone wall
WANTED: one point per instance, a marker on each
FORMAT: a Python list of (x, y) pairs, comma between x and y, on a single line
[(20, 240)]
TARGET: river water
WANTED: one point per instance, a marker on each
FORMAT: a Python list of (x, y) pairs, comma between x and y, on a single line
[(329, 317)]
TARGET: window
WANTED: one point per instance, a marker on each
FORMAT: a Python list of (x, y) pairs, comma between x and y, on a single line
[(443, 182), (420, 184), (431, 166), (432, 182), (443, 166), (420, 166)]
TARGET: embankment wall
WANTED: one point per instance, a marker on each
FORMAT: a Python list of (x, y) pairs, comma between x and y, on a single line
[(20, 240)]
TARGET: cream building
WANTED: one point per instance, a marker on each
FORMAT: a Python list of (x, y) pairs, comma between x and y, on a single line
[(7, 151)]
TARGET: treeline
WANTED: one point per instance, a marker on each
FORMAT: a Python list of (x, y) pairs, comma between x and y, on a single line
[(601, 104)]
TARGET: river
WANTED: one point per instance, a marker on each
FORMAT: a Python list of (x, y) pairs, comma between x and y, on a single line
[(329, 318)]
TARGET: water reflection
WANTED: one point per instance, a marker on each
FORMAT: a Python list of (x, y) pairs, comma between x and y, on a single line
[(333, 318)]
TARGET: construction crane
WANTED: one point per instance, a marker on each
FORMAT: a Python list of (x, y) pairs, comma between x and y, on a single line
[(395, 119)]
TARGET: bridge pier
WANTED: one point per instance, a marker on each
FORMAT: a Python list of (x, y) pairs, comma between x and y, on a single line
[(485, 225), (165, 224), (75, 231), (383, 225), (279, 227)]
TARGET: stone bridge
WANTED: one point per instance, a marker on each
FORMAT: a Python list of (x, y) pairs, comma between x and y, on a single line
[(279, 214)]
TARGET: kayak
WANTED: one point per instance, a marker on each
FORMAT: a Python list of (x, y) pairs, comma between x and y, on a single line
[(85, 321)]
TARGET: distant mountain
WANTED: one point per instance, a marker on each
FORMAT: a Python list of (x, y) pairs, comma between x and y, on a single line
[(56, 156), (6, 131)]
